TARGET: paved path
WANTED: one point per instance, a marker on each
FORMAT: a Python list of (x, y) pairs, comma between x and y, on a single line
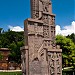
[(10, 70)]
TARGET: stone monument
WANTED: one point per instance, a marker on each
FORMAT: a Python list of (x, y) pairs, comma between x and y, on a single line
[(41, 55)]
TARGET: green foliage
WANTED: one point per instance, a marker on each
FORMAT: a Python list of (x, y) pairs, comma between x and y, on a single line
[(72, 36), (10, 73), (9, 37), (1, 56), (15, 52), (68, 49), (65, 43), (0, 30), (13, 41)]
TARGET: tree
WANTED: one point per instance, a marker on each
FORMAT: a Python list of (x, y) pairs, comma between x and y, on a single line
[(9, 37), (0, 30), (68, 49), (13, 41), (15, 52), (1, 56), (72, 36)]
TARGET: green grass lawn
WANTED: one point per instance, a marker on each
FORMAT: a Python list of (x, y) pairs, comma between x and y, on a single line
[(10, 73)]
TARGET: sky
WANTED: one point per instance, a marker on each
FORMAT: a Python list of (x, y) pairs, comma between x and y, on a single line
[(14, 12)]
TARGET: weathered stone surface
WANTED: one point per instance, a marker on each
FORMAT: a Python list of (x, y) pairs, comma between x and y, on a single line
[(35, 67), (41, 56)]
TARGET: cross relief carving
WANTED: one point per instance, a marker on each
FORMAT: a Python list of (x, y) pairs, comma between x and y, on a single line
[(54, 61), (42, 57)]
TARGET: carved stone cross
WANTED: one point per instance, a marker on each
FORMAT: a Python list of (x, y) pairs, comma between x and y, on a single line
[(42, 56)]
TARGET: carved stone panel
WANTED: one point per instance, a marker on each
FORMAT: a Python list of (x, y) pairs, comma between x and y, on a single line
[(47, 43), (55, 66), (40, 30), (46, 31), (31, 29), (35, 67), (31, 44), (45, 6), (44, 65), (52, 20), (45, 19), (34, 8)]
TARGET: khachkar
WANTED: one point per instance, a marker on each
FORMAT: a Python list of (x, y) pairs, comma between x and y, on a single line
[(40, 55)]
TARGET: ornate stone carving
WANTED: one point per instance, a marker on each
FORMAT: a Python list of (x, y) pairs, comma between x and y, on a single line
[(45, 19), (54, 63), (47, 43), (42, 56), (52, 20), (45, 6), (46, 31)]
